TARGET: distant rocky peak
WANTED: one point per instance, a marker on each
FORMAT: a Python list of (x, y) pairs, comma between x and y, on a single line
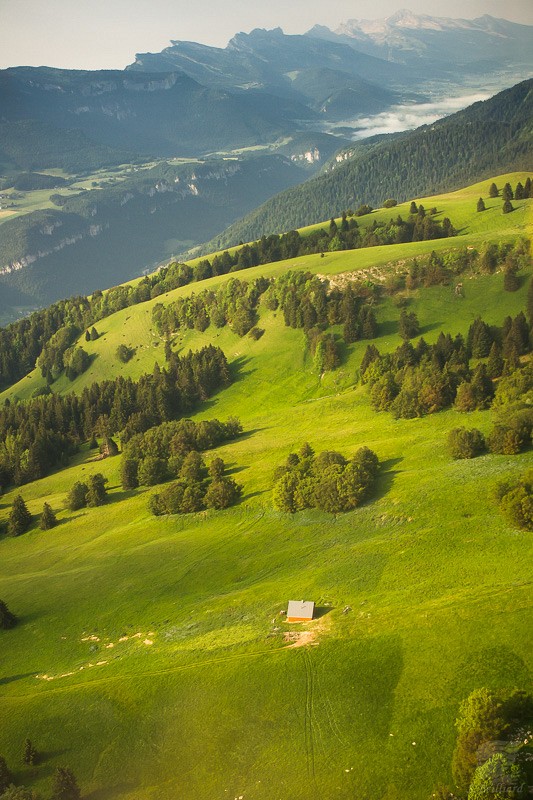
[(407, 20)]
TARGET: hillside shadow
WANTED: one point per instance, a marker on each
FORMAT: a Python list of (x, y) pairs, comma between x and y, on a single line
[(119, 497), (13, 678), (234, 470), (66, 520), (247, 434), (253, 494), (237, 369), (50, 755), (388, 327), (385, 479), (431, 327), (110, 792)]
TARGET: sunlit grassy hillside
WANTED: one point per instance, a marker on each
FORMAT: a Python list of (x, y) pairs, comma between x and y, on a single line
[(151, 656)]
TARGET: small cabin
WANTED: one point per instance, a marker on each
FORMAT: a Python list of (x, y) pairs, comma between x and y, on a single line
[(300, 611)]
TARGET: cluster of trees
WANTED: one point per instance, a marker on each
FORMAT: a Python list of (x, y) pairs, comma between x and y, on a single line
[(488, 762), (92, 494), (20, 519), (59, 354), (327, 481), (234, 304), (197, 487), (417, 380), (440, 269), (521, 192), (515, 499), (64, 783), (308, 302), (41, 434), (508, 438), (159, 454)]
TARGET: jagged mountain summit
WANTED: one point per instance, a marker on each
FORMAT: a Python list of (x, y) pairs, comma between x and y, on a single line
[(442, 43)]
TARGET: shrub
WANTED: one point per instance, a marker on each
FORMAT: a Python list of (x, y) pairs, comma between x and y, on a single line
[(464, 443), (516, 501), (222, 493), (124, 353)]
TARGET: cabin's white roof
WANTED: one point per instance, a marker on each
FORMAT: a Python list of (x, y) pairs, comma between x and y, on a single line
[(301, 608)]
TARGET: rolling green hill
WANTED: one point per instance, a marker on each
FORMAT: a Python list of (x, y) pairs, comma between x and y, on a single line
[(151, 656)]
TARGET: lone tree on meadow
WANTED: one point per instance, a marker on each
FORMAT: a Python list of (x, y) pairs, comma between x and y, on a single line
[(481, 204), (96, 491), (77, 497), (7, 618), (29, 755), (65, 785), (493, 191), (507, 207), (409, 326), (19, 519), (48, 518)]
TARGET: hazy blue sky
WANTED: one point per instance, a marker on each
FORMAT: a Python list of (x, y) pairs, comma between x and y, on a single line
[(91, 34)]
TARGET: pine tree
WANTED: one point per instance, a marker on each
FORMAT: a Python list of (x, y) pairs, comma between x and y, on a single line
[(507, 207), (48, 518), (413, 208), (19, 519), (87, 336), (77, 497), (511, 282), (480, 204), (495, 361), (6, 778), (216, 469), (96, 492), (30, 755), (7, 618), (507, 193), (65, 786), (527, 189), (129, 473), (529, 302), (519, 191), (409, 326), (94, 334), (493, 191), (109, 447)]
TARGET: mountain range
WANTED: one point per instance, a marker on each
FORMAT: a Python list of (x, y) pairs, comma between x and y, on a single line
[(253, 119)]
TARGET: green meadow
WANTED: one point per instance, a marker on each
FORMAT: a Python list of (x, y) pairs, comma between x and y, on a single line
[(151, 656)]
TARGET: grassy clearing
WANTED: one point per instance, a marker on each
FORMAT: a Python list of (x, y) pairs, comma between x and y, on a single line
[(203, 699)]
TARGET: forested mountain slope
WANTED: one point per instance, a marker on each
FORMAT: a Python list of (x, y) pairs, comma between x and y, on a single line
[(493, 135)]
